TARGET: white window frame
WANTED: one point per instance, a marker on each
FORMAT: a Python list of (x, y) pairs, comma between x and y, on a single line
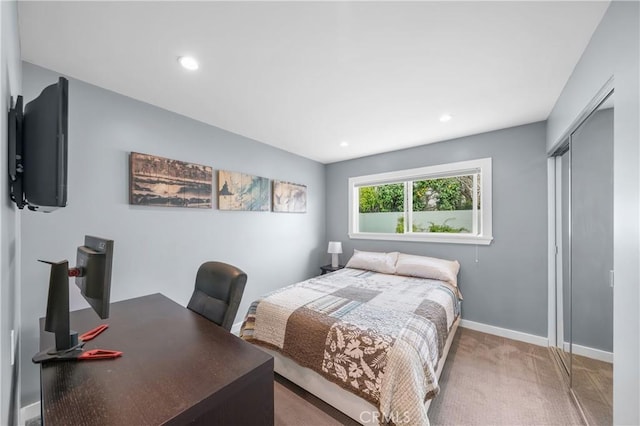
[(482, 166)]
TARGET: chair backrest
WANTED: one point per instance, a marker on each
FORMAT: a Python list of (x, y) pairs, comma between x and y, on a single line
[(218, 291)]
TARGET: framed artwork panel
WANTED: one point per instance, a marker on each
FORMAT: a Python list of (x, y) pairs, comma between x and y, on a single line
[(159, 181), (241, 191), (289, 197)]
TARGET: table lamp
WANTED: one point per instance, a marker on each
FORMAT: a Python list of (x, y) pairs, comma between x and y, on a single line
[(335, 248)]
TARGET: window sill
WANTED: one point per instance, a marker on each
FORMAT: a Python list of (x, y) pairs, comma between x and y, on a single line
[(482, 240)]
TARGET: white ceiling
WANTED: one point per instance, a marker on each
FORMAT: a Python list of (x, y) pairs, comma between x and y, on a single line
[(305, 76)]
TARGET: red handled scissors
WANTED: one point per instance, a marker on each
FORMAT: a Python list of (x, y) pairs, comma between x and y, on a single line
[(92, 334), (96, 353), (99, 354)]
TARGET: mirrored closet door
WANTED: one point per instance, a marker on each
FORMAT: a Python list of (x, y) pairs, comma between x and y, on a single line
[(584, 276)]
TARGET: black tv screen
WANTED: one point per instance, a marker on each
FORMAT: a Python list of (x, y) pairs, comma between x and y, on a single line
[(41, 148)]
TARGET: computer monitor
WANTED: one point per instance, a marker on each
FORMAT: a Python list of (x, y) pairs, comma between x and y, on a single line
[(93, 277), (95, 259)]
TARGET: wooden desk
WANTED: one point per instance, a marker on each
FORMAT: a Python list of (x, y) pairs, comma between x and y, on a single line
[(177, 368)]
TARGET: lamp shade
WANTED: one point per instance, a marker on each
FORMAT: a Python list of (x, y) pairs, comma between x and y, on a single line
[(335, 247)]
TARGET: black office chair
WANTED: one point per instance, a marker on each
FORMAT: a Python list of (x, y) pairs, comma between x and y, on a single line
[(218, 292)]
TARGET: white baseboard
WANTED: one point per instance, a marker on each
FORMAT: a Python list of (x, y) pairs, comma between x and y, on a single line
[(29, 412), (505, 332), (592, 353), (235, 328)]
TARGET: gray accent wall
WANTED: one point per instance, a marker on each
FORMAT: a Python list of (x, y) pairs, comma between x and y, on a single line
[(503, 284), (159, 249), (614, 51), (10, 80)]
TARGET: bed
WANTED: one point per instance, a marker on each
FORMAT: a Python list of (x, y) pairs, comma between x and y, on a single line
[(372, 344)]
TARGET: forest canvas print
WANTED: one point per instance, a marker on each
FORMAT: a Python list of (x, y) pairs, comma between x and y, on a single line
[(289, 197), (158, 181), (240, 191)]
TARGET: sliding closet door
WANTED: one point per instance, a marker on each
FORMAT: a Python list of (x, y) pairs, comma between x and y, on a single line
[(591, 330)]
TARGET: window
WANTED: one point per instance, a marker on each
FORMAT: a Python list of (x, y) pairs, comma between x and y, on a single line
[(449, 203)]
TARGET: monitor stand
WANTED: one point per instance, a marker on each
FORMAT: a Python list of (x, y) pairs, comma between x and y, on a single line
[(52, 355), (57, 319)]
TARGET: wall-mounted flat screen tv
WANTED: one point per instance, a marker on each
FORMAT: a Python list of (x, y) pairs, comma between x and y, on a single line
[(38, 149)]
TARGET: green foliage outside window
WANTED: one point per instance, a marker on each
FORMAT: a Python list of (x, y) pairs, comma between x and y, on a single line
[(443, 227), (440, 194), (433, 227), (454, 193), (381, 199)]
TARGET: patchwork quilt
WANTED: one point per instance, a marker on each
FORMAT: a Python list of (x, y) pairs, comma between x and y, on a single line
[(378, 336)]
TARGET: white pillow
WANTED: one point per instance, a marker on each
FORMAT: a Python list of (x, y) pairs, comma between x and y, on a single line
[(374, 261), (428, 267)]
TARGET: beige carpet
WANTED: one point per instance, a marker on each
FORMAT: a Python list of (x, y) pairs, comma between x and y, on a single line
[(490, 380), (593, 386), (296, 407), (487, 380)]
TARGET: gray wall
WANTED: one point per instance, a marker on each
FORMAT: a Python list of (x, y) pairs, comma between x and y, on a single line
[(159, 249), (507, 286), (10, 76), (614, 51)]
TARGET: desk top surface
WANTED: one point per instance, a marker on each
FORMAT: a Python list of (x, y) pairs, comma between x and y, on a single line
[(173, 358)]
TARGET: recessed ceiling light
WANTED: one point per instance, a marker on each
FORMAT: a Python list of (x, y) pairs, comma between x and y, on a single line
[(344, 144), (188, 62), (445, 117)]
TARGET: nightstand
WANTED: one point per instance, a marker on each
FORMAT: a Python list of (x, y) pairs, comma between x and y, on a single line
[(328, 268)]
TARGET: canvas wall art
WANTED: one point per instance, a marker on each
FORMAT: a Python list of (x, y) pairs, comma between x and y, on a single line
[(158, 181), (289, 197), (240, 191)]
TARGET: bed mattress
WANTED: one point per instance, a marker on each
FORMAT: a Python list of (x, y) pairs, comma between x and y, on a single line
[(378, 336)]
